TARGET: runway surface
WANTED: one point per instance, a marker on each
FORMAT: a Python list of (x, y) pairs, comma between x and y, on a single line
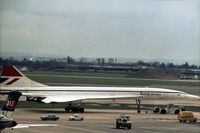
[(102, 121)]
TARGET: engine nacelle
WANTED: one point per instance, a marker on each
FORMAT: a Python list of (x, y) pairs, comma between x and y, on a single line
[(34, 99)]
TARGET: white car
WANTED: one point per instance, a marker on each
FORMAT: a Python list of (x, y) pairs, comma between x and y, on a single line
[(75, 117)]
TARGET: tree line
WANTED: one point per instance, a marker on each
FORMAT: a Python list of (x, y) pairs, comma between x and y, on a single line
[(65, 62)]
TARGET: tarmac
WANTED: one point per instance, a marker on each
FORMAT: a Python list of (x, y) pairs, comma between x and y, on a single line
[(101, 121)]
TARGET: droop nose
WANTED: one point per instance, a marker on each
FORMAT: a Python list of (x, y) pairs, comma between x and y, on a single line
[(192, 96)]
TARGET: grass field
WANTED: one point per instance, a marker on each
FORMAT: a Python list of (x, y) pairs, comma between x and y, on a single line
[(102, 79)]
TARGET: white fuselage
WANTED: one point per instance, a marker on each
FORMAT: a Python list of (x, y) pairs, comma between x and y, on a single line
[(102, 92)]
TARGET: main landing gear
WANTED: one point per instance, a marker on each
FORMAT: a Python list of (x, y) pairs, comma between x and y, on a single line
[(74, 109), (138, 101)]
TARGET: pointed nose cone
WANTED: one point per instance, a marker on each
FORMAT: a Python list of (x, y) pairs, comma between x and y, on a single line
[(193, 97)]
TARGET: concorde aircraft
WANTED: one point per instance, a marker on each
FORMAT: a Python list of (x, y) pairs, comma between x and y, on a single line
[(13, 80)]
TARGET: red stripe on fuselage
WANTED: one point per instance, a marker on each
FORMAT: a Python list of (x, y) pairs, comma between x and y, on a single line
[(10, 71), (12, 81)]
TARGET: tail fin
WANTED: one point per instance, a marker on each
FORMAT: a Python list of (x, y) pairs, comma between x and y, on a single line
[(12, 77), (10, 104)]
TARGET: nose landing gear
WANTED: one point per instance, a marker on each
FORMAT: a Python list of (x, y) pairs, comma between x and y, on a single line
[(138, 101)]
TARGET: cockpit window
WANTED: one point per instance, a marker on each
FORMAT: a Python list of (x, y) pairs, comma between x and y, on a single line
[(182, 93)]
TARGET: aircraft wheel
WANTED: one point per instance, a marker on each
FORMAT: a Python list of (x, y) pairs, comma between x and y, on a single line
[(156, 109), (74, 109), (81, 110), (67, 109), (163, 111), (177, 111)]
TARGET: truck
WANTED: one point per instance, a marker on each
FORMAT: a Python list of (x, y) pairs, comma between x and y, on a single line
[(123, 121), (170, 108)]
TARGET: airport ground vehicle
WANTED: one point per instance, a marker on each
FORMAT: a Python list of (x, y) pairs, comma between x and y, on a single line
[(75, 117), (185, 116), (52, 117), (123, 122), (171, 108)]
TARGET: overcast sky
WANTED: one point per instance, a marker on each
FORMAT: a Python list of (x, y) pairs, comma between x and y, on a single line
[(166, 29)]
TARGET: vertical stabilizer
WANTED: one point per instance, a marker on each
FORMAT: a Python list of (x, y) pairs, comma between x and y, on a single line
[(10, 104), (12, 77)]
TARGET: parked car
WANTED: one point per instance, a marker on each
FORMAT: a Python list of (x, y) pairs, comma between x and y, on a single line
[(123, 121), (75, 117), (52, 117), (185, 116)]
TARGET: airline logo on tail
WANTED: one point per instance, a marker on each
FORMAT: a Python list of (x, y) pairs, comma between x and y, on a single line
[(12, 77), (9, 71), (11, 101)]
